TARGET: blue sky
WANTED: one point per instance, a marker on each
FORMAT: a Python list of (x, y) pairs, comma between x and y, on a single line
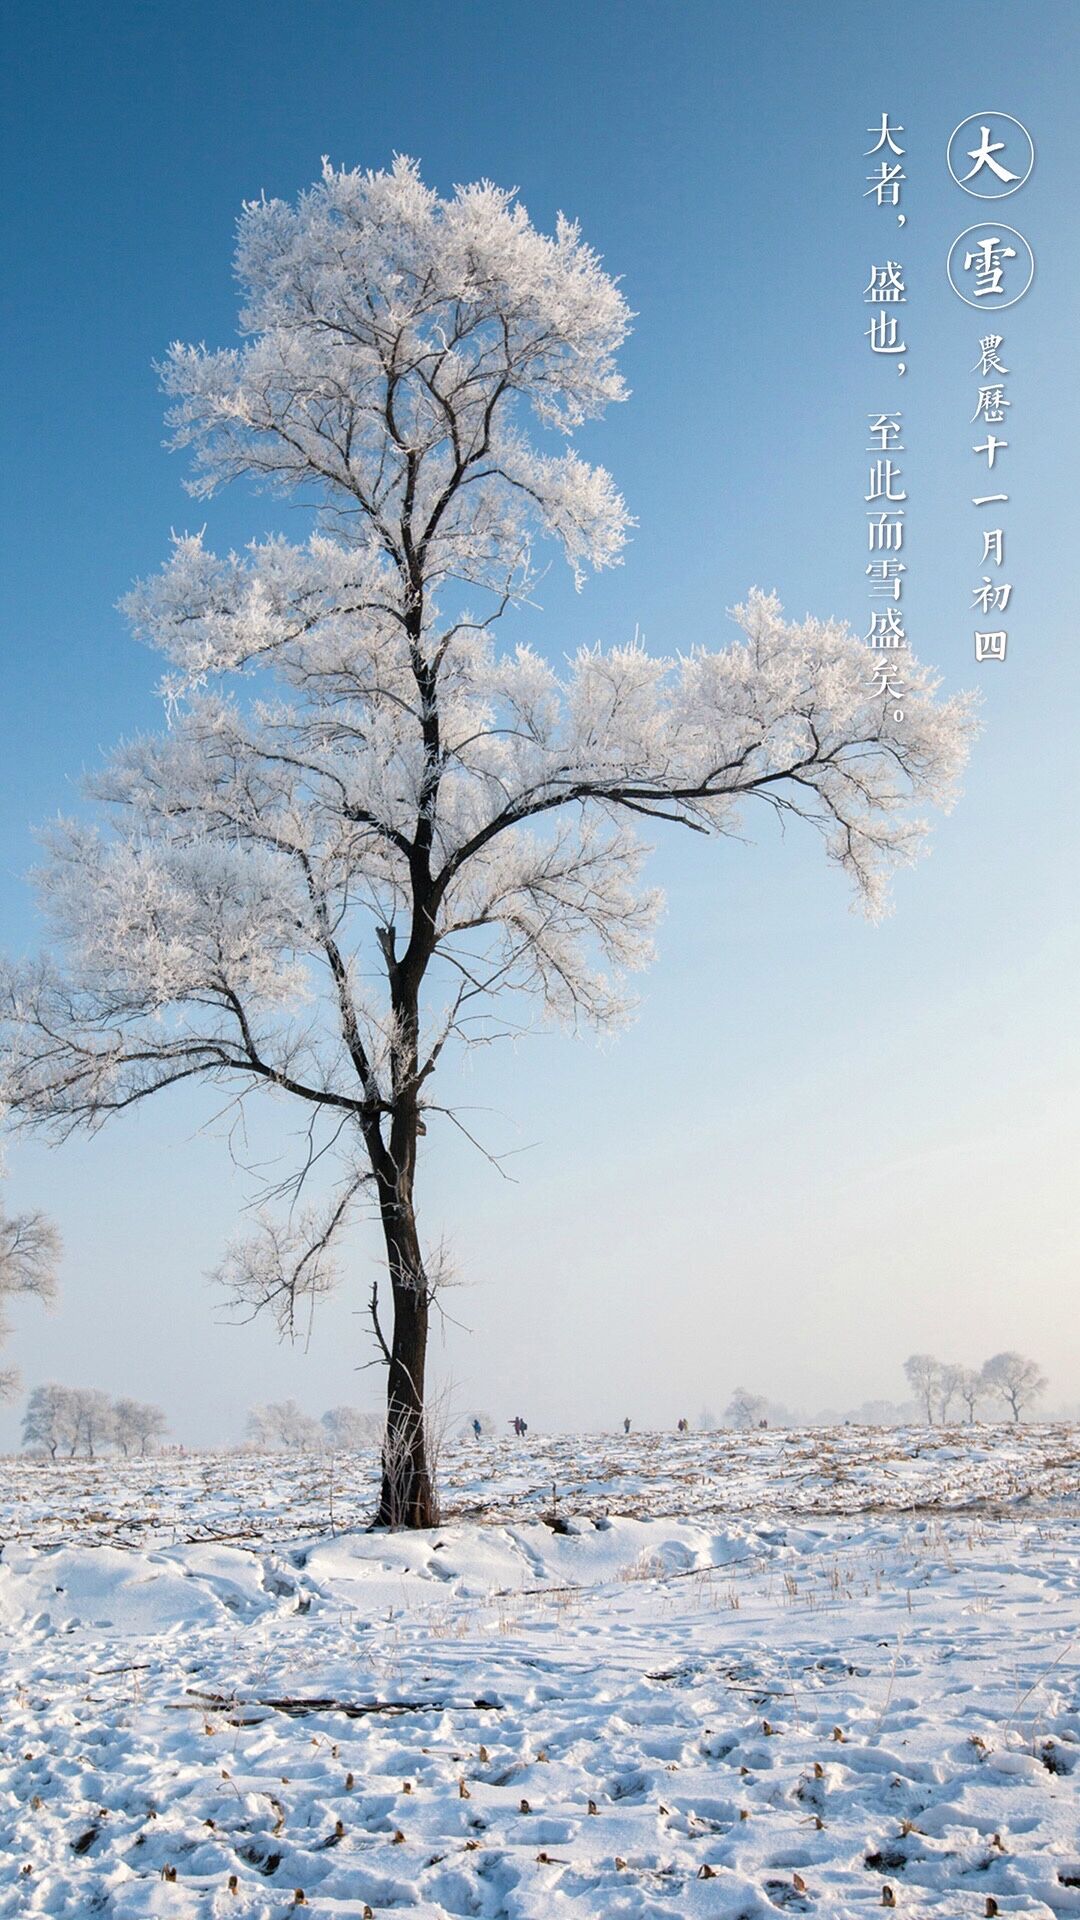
[(824, 1144)]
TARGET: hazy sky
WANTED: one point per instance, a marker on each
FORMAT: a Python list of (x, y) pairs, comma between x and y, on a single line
[(824, 1144)]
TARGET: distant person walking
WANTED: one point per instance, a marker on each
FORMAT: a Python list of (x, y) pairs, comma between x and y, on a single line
[(684, 1426), (520, 1426), (477, 1429), (626, 1424)]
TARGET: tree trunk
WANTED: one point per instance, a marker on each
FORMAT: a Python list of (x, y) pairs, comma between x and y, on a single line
[(408, 1497)]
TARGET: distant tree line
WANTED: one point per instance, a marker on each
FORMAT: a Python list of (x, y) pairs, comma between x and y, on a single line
[(1008, 1384), (66, 1422), (1008, 1380), (282, 1424), (69, 1422), (29, 1252)]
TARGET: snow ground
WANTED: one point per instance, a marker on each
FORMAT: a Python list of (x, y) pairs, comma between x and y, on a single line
[(778, 1673)]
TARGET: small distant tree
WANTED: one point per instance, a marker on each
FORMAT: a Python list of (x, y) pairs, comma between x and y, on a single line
[(950, 1381), (151, 1426), (924, 1378), (137, 1426), (1016, 1380), (347, 1428), (881, 1413), (970, 1388), (29, 1253), (123, 1425), (51, 1420), (281, 1423), (95, 1420), (745, 1409)]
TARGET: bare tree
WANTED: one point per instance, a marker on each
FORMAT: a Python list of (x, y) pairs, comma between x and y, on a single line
[(882, 1413), (137, 1426), (1015, 1380), (51, 1420), (282, 1423), (123, 1425), (950, 1383), (95, 1421), (312, 895), (29, 1253), (745, 1409), (258, 1432), (971, 1388), (924, 1378), (350, 1428)]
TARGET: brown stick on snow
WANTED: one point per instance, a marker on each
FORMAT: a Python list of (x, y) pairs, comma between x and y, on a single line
[(297, 1706)]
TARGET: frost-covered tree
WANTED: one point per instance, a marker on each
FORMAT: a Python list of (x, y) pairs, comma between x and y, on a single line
[(1014, 1379), (51, 1420), (950, 1384), (137, 1426), (882, 1413), (29, 1253), (924, 1378), (95, 1420), (349, 1427), (282, 1423), (746, 1409), (971, 1387), (369, 832), (258, 1432)]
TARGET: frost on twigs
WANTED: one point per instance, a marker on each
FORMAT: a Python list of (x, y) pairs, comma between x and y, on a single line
[(256, 869), (369, 831), (29, 1254), (29, 1251), (375, 310), (283, 1267)]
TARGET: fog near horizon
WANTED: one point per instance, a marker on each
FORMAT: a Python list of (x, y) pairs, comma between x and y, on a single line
[(634, 1264), (823, 1145)]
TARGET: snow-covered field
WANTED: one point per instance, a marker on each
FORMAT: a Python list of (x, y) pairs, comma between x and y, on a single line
[(807, 1673)]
